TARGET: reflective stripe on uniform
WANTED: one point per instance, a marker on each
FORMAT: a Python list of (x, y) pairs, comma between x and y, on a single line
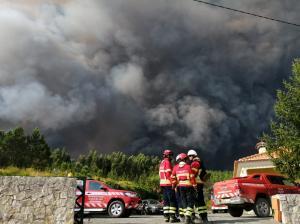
[(181, 211), (199, 171), (202, 209), (184, 182), (166, 209), (188, 211), (167, 170), (165, 181), (172, 210), (182, 174)]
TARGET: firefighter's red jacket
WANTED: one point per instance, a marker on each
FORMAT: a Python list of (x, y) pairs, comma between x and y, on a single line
[(182, 175), (196, 169), (165, 171)]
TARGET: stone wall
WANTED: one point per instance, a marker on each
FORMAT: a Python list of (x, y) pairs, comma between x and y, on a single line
[(37, 200), (290, 208)]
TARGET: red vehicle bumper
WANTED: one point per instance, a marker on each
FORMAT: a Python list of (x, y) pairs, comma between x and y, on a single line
[(132, 203)]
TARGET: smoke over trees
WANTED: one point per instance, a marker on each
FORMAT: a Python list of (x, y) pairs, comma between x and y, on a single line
[(142, 75)]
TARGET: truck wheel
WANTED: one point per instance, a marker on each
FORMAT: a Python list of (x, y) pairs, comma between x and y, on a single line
[(116, 209), (235, 211), (262, 207)]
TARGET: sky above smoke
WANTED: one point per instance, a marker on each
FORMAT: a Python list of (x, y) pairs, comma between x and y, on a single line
[(139, 75)]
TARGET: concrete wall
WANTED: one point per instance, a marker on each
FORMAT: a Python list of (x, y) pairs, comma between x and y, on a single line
[(290, 208), (37, 200)]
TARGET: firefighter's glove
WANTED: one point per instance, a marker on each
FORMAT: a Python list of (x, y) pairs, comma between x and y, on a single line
[(173, 186)]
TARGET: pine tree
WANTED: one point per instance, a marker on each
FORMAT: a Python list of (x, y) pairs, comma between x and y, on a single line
[(59, 158), (39, 151), (284, 140), (15, 147), (3, 154)]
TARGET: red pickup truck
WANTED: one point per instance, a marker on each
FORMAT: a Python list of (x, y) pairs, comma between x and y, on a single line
[(251, 192), (99, 197)]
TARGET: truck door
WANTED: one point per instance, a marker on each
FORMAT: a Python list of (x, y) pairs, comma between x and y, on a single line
[(94, 196), (277, 186), (255, 186)]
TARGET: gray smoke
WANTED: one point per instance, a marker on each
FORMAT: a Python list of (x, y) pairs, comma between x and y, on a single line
[(140, 75)]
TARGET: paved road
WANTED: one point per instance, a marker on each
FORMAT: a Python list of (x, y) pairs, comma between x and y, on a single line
[(155, 219)]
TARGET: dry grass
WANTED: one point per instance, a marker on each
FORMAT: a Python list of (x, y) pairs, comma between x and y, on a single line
[(14, 171)]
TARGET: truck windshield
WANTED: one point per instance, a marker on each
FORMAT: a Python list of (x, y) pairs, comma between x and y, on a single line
[(280, 180)]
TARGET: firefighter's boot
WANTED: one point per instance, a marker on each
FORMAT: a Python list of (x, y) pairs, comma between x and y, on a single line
[(166, 217), (174, 219), (188, 220), (182, 218), (194, 218), (204, 218), (197, 220)]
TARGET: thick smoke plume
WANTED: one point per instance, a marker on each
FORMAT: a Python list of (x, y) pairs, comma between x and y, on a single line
[(141, 75)]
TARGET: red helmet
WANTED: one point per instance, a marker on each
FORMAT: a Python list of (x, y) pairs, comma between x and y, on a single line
[(182, 156), (168, 152)]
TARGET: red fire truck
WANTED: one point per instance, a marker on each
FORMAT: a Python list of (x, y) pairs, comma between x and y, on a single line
[(99, 197), (251, 192)]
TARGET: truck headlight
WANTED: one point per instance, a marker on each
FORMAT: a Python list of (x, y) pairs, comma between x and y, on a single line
[(130, 194)]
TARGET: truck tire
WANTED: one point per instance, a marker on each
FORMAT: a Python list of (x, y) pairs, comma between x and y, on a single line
[(235, 211), (116, 209), (262, 207)]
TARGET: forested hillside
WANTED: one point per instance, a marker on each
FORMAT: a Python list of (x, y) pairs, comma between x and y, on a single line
[(22, 154)]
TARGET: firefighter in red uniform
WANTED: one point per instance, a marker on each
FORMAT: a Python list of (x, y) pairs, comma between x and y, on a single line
[(165, 170), (184, 179), (200, 174), (178, 198)]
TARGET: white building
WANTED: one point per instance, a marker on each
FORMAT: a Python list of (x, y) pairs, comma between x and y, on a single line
[(257, 163)]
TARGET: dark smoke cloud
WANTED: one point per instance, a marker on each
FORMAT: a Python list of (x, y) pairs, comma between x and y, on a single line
[(141, 75)]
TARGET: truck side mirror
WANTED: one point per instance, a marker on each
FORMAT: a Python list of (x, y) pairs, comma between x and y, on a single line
[(104, 189)]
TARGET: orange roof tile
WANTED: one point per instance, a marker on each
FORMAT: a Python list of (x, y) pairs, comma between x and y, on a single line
[(255, 157)]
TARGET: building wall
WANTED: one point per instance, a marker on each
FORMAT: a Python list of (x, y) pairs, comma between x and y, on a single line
[(37, 200), (271, 170), (243, 167)]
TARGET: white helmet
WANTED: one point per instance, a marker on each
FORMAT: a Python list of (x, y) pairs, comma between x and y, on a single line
[(192, 153)]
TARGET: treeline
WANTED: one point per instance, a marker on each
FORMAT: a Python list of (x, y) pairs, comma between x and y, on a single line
[(32, 151), (117, 165), (135, 172)]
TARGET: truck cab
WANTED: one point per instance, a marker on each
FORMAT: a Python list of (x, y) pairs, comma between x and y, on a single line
[(100, 197)]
